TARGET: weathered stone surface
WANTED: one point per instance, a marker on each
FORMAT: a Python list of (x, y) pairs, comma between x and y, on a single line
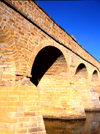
[(66, 83), (19, 110)]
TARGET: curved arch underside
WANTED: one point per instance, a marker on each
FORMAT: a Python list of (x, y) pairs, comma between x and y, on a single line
[(95, 76), (81, 71), (44, 60)]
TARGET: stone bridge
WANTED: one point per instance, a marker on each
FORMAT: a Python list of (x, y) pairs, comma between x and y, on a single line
[(44, 72)]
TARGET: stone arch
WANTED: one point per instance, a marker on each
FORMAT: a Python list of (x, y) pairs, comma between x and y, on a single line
[(45, 58), (81, 71), (49, 74), (95, 76)]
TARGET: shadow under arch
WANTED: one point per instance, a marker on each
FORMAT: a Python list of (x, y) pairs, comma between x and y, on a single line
[(43, 61), (95, 76), (81, 71)]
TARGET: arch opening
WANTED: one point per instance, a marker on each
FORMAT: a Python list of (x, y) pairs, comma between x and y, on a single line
[(43, 61), (95, 76), (81, 71)]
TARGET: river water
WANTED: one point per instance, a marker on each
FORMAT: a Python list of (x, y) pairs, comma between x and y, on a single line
[(89, 126)]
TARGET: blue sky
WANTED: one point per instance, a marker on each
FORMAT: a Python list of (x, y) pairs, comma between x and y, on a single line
[(78, 18)]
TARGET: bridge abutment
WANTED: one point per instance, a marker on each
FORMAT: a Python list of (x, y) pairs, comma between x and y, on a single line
[(19, 110)]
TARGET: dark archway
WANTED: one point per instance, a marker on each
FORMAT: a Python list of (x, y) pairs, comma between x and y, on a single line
[(43, 61), (95, 76), (81, 71)]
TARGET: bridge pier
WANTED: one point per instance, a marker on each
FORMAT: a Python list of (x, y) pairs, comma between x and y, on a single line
[(93, 103), (59, 102), (89, 96)]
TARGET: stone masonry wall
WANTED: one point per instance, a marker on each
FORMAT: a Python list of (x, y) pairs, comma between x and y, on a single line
[(33, 11), (57, 98), (19, 110), (59, 93)]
